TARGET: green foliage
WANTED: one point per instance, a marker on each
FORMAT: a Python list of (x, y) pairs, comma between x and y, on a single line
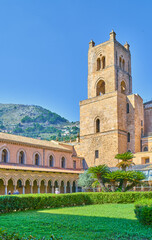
[(39, 201), (27, 119), (99, 172), (102, 221), (85, 180), (143, 211), (126, 160), (15, 236)]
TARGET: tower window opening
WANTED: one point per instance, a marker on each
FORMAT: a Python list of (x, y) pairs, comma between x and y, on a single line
[(146, 149), (127, 107), (100, 88), (128, 137), (120, 62), (123, 64), (96, 154), (103, 62), (98, 64), (123, 87), (97, 125)]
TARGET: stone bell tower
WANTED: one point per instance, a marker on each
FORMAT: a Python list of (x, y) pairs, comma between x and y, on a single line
[(109, 113)]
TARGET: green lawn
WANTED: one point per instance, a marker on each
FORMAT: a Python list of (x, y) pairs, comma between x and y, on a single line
[(107, 221)]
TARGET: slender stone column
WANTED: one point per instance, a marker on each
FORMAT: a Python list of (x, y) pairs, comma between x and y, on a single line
[(38, 189), (45, 188), (31, 190), (23, 189), (70, 188), (65, 188), (52, 189), (5, 189)]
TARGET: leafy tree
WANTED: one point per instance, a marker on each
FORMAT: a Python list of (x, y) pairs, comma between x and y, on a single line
[(85, 180), (99, 173), (126, 160)]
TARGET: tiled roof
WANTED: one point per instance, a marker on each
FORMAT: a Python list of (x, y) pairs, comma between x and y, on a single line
[(38, 169), (32, 142), (139, 167)]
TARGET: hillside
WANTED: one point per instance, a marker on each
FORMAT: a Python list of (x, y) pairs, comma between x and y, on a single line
[(36, 121)]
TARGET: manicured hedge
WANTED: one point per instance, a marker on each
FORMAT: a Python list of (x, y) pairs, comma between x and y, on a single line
[(11, 203), (143, 211)]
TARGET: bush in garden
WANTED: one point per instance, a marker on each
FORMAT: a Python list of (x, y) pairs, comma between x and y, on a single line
[(12, 203), (143, 211)]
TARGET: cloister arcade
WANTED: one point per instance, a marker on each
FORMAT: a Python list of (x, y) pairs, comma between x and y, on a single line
[(27, 183)]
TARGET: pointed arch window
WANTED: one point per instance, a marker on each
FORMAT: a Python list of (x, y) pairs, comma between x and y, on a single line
[(123, 64), (98, 64), (51, 161), (63, 162), (37, 159), (21, 157), (4, 156), (128, 137), (97, 125), (103, 62), (120, 62), (100, 88), (123, 87), (127, 107)]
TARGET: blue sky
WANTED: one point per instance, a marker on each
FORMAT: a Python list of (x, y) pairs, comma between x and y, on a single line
[(44, 45)]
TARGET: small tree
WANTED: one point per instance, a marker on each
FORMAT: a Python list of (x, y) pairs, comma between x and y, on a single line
[(85, 180), (126, 160), (99, 173)]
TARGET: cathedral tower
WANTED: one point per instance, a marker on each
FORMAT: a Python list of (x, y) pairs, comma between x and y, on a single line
[(110, 115)]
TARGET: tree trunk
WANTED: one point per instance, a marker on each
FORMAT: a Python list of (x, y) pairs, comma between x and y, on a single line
[(113, 187), (102, 185), (124, 184)]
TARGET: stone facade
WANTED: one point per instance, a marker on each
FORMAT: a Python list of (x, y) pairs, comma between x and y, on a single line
[(113, 119)]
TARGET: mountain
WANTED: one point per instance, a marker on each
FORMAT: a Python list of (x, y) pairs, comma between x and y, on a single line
[(37, 122)]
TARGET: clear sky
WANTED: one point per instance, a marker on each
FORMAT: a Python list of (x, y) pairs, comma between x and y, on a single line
[(44, 45)]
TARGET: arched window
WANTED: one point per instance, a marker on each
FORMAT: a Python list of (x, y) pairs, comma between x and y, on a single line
[(123, 64), (21, 157), (146, 149), (37, 159), (98, 64), (127, 107), (120, 62), (4, 156), (97, 125), (100, 88), (103, 62), (128, 137), (123, 87), (51, 161), (129, 151), (63, 162)]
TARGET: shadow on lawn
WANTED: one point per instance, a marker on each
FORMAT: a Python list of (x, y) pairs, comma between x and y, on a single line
[(73, 227)]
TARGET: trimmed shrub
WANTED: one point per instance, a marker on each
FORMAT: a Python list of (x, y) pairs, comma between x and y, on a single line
[(11, 203), (143, 211)]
